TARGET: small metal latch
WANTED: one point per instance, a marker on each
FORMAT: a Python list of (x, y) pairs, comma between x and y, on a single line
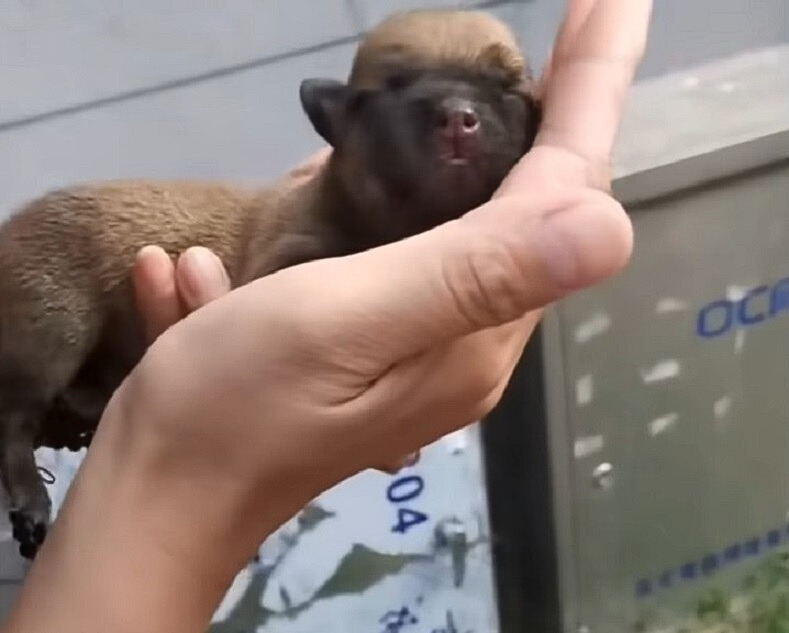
[(603, 476), (451, 534)]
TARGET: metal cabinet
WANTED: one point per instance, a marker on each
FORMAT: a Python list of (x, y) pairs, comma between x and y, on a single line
[(661, 397)]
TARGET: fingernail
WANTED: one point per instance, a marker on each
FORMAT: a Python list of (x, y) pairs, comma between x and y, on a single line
[(583, 244), (149, 251), (202, 276), (153, 268)]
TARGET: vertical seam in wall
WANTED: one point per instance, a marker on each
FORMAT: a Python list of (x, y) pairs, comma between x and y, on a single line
[(357, 15)]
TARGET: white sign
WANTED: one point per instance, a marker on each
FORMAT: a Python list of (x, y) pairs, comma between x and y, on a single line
[(379, 553)]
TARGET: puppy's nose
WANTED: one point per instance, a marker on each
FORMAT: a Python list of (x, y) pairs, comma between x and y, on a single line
[(458, 118)]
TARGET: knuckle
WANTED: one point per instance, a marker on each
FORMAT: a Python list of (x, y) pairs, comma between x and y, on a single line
[(600, 173), (487, 282)]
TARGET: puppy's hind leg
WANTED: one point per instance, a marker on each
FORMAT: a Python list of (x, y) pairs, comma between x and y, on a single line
[(37, 361), (21, 406)]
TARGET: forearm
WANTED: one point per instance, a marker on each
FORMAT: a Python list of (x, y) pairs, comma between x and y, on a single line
[(107, 579), (113, 561)]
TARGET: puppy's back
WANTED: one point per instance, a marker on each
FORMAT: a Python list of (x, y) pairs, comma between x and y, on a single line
[(87, 236)]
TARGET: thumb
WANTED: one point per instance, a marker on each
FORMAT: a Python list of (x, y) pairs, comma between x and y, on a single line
[(491, 267)]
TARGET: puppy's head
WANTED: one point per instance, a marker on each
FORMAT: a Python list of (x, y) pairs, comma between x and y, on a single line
[(438, 108)]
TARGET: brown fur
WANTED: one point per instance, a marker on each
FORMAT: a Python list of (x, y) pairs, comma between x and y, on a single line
[(471, 40), (69, 330)]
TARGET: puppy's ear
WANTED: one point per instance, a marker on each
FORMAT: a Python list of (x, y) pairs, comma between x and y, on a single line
[(325, 103)]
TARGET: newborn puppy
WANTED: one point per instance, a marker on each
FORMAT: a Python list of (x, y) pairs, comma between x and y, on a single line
[(439, 106)]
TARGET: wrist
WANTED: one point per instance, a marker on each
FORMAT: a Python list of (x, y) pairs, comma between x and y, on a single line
[(120, 557)]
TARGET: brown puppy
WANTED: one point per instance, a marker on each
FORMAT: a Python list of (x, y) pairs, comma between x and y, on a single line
[(438, 108)]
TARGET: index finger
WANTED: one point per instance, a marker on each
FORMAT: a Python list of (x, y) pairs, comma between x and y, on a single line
[(155, 292), (574, 18), (592, 68)]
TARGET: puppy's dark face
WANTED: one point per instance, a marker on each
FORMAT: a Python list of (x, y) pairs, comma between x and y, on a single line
[(425, 146)]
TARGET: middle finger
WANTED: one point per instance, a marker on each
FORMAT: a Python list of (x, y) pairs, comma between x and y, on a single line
[(201, 277)]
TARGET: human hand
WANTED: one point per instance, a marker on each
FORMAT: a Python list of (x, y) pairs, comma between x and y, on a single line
[(355, 377), (166, 291)]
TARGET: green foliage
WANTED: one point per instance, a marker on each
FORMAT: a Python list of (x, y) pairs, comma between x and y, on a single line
[(762, 605), (769, 606), (713, 604)]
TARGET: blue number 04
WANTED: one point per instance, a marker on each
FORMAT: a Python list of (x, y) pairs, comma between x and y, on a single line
[(402, 490)]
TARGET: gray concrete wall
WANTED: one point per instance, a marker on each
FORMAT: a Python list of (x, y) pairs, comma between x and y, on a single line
[(100, 89)]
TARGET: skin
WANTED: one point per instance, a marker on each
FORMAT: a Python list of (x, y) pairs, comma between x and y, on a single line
[(178, 519)]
